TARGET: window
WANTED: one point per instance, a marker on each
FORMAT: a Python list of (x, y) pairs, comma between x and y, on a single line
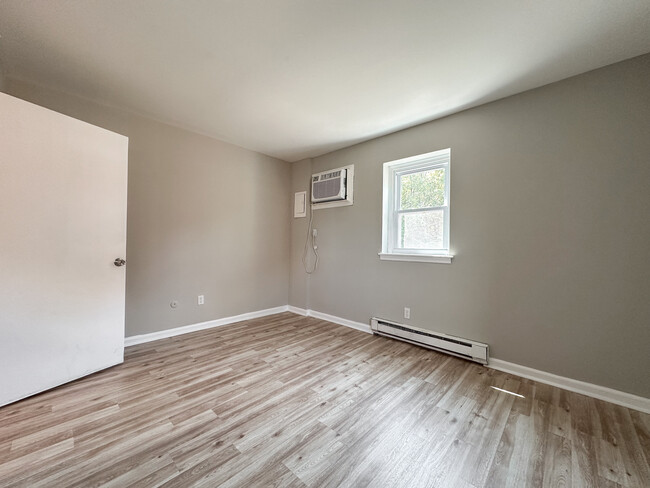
[(416, 208)]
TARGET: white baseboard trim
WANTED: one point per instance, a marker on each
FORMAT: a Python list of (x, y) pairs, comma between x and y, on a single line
[(589, 389), (299, 311), (331, 318), (338, 320), (163, 334), (595, 391)]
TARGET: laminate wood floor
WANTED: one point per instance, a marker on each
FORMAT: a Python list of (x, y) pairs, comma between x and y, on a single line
[(292, 401)]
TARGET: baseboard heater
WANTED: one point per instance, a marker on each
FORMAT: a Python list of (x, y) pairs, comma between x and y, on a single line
[(463, 348)]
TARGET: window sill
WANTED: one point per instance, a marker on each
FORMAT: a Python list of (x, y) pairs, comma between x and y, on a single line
[(418, 258)]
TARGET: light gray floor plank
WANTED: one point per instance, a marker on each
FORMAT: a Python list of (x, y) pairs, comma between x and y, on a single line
[(290, 401)]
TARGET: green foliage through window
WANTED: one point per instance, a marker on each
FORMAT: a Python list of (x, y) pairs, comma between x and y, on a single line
[(422, 190), (415, 218)]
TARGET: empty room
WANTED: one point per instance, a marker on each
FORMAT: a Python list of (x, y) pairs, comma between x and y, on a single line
[(316, 243)]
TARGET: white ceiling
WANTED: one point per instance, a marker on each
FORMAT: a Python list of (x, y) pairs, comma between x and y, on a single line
[(299, 78)]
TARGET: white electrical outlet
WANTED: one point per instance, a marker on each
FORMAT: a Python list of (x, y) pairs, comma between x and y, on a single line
[(201, 299), (407, 313), (314, 232)]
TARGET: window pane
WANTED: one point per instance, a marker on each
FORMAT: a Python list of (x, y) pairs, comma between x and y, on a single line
[(424, 189), (421, 230)]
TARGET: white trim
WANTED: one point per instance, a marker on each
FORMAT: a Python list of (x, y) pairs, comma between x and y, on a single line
[(163, 334), (331, 318), (595, 391), (391, 189), (338, 320), (298, 311), (336, 203), (417, 258)]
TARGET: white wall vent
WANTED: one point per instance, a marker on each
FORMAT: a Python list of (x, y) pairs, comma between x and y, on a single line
[(333, 187), (464, 348)]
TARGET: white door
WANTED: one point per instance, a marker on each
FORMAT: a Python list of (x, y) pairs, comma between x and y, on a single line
[(62, 225)]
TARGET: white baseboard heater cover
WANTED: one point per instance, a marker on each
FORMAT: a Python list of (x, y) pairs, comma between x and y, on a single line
[(464, 348)]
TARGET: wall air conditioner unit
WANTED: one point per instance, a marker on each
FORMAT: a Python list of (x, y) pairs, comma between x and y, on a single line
[(332, 188), (463, 348)]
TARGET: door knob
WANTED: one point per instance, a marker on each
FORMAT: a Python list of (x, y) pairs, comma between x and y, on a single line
[(119, 262)]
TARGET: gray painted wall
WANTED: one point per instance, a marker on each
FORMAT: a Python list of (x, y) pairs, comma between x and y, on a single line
[(2, 81), (299, 279), (550, 204), (204, 217), (550, 224)]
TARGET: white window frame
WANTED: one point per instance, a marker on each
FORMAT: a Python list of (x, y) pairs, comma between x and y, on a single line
[(393, 170)]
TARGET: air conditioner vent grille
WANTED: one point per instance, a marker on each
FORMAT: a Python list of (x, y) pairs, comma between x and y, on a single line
[(333, 188), (330, 188)]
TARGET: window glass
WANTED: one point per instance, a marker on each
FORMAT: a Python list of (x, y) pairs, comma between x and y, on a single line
[(415, 217), (421, 230), (423, 189)]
